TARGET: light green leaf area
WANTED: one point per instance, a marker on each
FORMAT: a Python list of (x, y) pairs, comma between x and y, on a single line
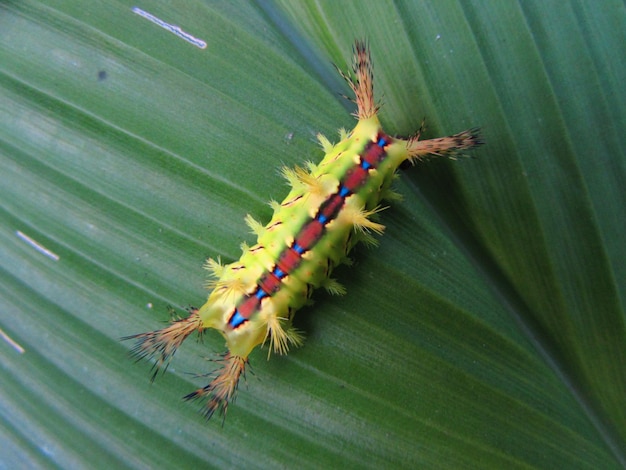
[(487, 329)]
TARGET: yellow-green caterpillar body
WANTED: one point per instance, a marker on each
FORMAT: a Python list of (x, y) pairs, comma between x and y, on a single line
[(328, 210)]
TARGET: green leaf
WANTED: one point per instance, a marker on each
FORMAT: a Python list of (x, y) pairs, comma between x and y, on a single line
[(487, 329)]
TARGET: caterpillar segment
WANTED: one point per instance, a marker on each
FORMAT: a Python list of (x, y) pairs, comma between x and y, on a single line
[(331, 206)]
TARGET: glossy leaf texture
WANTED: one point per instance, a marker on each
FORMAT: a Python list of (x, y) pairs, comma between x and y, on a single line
[(487, 329)]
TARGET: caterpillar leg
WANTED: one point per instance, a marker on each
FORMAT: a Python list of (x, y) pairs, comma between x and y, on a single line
[(161, 345), (223, 388)]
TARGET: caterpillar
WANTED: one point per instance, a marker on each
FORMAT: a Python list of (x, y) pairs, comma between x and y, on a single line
[(331, 207)]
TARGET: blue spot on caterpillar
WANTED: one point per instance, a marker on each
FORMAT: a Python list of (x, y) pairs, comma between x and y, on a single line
[(254, 299), (236, 319)]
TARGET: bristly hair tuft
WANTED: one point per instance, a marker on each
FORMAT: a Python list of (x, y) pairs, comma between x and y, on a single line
[(361, 81)]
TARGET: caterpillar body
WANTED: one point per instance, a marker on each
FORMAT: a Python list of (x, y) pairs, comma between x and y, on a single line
[(330, 208)]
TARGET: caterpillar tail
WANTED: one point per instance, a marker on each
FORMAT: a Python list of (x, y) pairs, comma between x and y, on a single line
[(222, 390), (161, 345)]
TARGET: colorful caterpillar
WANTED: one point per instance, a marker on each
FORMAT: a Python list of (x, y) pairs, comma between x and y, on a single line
[(329, 209)]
